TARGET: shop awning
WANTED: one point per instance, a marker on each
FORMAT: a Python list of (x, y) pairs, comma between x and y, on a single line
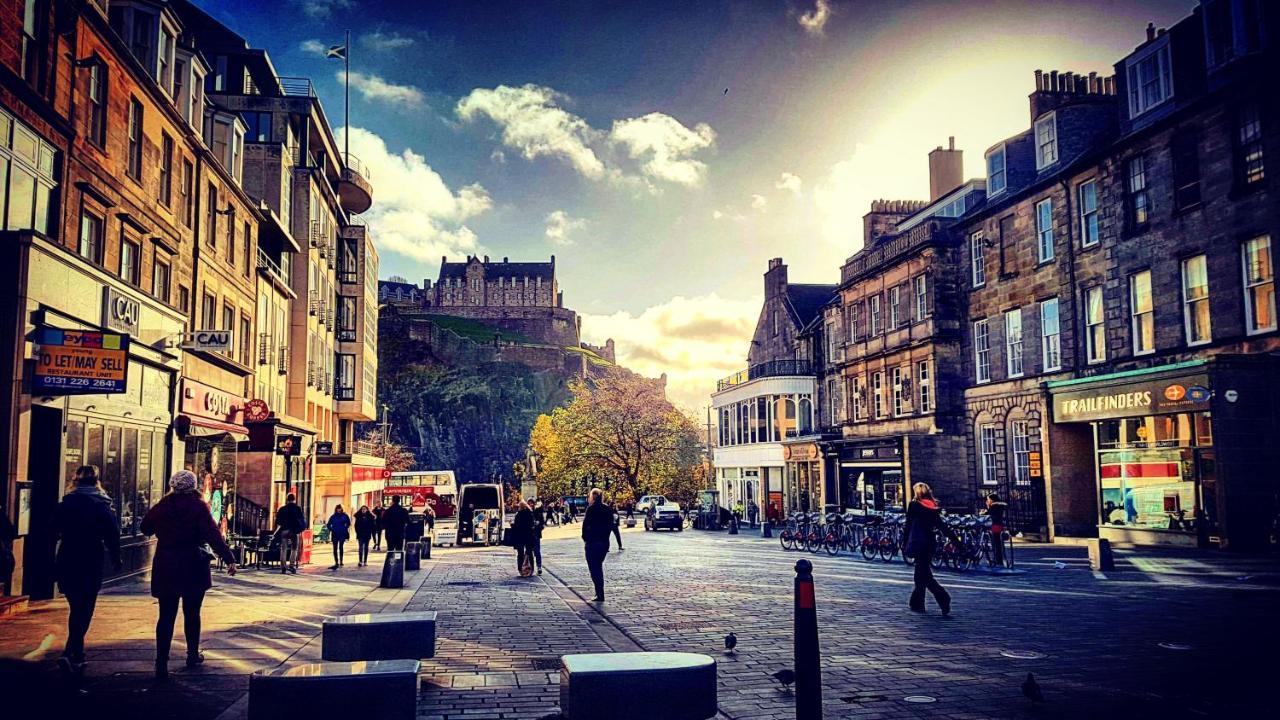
[(360, 487), (202, 427)]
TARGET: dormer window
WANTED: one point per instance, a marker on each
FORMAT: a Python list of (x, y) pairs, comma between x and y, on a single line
[(1232, 29), (1150, 77), (996, 177), (1046, 141), (165, 60)]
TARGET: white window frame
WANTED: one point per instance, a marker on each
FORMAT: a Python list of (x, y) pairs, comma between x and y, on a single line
[(876, 315), (988, 454), (1190, 304), (1046, 138), (1044, 230), (1161, 61), (895, 382), (1050, 342), (978, 258), (922, 297), (995, 188), (1020, 446), (877, 392), (1089, 217), (1252, 286), (1140, 317), (859, 400), (1095, 350), (924, 382), (981, 351), (1013, 342), (853, 320), (895, 303)]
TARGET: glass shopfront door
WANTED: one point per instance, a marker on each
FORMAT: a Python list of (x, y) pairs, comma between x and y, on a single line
[(1150, 471), (1210, 534)]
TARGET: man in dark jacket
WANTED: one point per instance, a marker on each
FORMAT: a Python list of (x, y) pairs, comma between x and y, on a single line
[(87, 532), (377, 526), (290, 522), (522, 535), (394, 520), (597, 526)]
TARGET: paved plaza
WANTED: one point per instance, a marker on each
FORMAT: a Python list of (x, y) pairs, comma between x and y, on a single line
[(1096, 639)]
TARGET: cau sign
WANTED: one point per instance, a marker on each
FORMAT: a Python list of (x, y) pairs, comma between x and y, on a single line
[(209, 341)]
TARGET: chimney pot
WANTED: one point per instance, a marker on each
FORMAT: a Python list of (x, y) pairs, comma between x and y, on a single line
[(486, 259), (1161, 32), (504, 259), (1039, 80), (1053, 81), (951, 142), (1151, 31)]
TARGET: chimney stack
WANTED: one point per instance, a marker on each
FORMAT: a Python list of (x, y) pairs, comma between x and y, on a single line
[(946, 169)]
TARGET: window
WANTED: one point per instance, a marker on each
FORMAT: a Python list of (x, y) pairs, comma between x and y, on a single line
[(1143, 313), (859, 400), (246, 340), (229, 324), (987, 448), (1044, 229), (166, 170), (1089, 213), (981, 351), (97, 131), (184, 299), (877, 394), (876, 324), (29, 188), (1095, 330), (140, 44), (130, 261), (160, 277), (211, 216), (1150, 79), (30, 49), (258, 126), (977, 249), (899, 401), (134, 168), (208, 312), (248, 248), (922, 298), (220, 74), (1046, 141), (164, 61), (1137, 198), (996, 179), (1249, 145), (1186, 171), (231, 240), (1020, 430), (925, 382), (1050, 335), (1013, 342), (855, 321), (1195, 300), (91, 237), (895, 302), (830, 334), (188, 193), (345, 378), (1259, 285)]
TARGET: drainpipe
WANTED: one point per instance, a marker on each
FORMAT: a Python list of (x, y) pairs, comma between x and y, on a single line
[(1071, 271)]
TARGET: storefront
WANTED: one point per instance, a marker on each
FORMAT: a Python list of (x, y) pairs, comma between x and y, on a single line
[(870, 473), (1181, 454), (211, 427), (804, 489)]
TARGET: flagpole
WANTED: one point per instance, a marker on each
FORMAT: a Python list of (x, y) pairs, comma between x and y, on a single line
[(346, 106)]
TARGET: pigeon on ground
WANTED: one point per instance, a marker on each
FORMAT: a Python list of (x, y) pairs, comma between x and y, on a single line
[(786, 677), (730, 642), (1031, 689)]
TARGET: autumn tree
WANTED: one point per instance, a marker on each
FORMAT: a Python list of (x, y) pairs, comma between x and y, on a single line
[(398, 458), (619, 432)]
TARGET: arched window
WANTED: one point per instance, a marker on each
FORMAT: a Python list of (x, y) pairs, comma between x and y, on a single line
[(806, 416), (789, 418)]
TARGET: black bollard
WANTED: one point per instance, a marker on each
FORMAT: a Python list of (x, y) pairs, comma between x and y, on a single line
[(733, 525), (767, 530), (808, 666)]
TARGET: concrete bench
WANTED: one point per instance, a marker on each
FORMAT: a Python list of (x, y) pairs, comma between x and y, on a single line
[(381, 689), (604, 686), (385, 636)]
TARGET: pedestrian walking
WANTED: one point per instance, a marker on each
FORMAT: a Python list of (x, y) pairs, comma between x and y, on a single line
[(996, 511), (377, 526), (365, 524), (539, 523), (522, 538), (290, 522), (597, 524), (186, 541), (88, 533), (394, 521), (617, 527), (339, 525), (923, 524)]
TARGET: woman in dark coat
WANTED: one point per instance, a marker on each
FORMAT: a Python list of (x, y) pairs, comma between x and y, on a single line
[(88, 533), (522, 535), (366, 524), (924, 522), (339, 532), (182, 523)]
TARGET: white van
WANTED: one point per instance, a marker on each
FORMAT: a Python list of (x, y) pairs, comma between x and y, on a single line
[(481, 508)]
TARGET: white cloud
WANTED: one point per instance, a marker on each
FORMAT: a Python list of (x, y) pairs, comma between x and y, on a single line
[(378, 89), (323, 8), (873, 171), (696, 341), (414, 212), (789, 182), (313, 47), (815, 21), (759, 203), (560, 226), (498, 156), (533, 123), (716, 215), (379, 41), (665, 147)]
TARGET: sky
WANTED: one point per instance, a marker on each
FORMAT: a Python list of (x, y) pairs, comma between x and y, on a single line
[(662, 150)]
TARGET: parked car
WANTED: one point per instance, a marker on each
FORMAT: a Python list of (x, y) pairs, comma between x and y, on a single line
[(661, 512)]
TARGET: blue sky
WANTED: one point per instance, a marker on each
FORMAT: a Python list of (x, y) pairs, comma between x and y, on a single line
[(600, 132)]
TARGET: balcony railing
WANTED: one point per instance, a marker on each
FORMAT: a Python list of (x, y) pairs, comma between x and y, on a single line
[(282, 364), (297, 87), (771, 368), (354, 163), (359, 447), (266, 263), (341, 392)]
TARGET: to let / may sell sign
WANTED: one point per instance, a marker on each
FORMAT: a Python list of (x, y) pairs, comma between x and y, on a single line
[(70, 362)]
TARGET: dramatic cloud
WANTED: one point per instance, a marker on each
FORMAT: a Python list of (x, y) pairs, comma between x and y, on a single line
[(695, 341), (379, 41), (665, 147), (560, 226), (414, 213), (815, 21), (322, 8), (377, 89), (634, 152), (759, 203), (873, 171), (313, 47), (533, 123), (789, 182)]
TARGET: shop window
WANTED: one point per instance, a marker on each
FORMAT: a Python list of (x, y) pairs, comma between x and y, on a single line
[(1095, 328), (1195, 300), (111, 465), (1020, 442), (1142, 311), (988, 454), (127, 500), (806, 416), (981, 351), (1050, 335), (1147, 471), (1259, 285), (1089, 213), (73, 456)]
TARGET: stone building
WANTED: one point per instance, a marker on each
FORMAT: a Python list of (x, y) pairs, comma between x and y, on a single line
[(522, 298)]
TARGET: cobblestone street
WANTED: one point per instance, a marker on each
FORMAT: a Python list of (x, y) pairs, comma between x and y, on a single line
[(500, 636)]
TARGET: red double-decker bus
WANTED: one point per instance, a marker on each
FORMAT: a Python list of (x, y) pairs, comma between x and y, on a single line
[(436, 488)]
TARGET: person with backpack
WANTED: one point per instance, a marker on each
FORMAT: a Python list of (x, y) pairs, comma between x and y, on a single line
[(339, 525), (923, 524), (88, 533)]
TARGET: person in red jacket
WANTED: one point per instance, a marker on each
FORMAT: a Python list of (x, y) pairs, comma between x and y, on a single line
[(923, 525), (182, 525)]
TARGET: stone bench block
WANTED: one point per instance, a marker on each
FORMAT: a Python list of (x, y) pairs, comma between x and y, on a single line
[(380, 689), (606, 686), (384, 636)]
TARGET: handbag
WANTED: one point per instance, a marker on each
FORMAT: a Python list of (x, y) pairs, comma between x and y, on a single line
[(206, 553), (526, 567)]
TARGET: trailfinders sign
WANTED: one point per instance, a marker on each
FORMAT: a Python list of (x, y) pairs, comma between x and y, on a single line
[(75, 362), (1136, 399)]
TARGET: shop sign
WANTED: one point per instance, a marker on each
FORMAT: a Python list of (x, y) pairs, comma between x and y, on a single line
[(73, 362), (256, 410), (199, 400), (289, 445), (119, 311), (1034, 464), (1153, 397), (324, 448), (792, 453), (208, 341)]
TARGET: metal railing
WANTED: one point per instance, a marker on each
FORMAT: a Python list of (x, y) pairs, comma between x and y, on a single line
[(313, 303), (282, 365), (770, 368), (343, 392), (355, 165), (266, 263), (297, 87), (264, 351), (359, 447)]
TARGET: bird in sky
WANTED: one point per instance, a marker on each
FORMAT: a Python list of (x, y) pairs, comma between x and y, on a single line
[(726, 91), (1031, 689), (786, 676), (730, 642)]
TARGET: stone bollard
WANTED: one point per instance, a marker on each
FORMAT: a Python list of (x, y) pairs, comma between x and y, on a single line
[(808, 664), (1100, 557)]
